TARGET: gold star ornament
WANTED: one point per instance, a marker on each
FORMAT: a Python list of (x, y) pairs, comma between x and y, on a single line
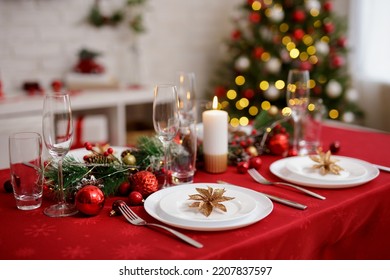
[(325, 163), (208, 199)]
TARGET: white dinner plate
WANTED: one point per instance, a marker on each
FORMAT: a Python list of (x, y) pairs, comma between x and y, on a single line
[(78, 154), (364, 173), (239, 216)]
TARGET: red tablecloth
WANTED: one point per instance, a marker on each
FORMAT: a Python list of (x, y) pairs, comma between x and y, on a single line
[(351, 223)]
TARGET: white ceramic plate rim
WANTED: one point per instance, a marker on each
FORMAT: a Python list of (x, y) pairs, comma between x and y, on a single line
[(279, 169), (176, 206), (263, 208), (297, 164)]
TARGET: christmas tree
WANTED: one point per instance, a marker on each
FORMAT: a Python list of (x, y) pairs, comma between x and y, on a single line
[(269, 38)]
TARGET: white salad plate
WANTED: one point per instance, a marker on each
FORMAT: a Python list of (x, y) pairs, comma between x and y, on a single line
[(298, 170), (171, 206), (176, 205)]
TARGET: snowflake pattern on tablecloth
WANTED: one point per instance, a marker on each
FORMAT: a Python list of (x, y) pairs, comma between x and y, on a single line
[(132, 251), (76, 252), (128, 231), (40, 230), (25, 252), (86, 221)]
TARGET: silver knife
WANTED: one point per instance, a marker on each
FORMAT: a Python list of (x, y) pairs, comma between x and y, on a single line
[(276, 199)]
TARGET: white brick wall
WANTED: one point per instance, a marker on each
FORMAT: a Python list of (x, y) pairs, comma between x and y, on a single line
[(39, 39)]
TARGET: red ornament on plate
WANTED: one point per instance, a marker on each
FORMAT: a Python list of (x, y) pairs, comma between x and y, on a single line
[(90, 200)]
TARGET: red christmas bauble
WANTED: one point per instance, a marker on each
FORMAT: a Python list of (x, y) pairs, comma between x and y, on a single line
[(258, 52), (298, 34), (135, 198), (236, 34), (124, 188), (328, 6), (337, 61), (89, 200), (220, 91), (255, 162), (328, 27), (254, 17), (144, 182), (8, 186), (305, 65), (335, 147), (242, 167), (342, 42), (249, 93), (299, 15), (278, 144)]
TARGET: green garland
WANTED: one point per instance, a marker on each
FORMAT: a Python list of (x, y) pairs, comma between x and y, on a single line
[(135, 20), (110, 175)]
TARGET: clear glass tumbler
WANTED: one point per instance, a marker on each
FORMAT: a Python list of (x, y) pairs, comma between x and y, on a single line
[(183, 157), (25, 155)]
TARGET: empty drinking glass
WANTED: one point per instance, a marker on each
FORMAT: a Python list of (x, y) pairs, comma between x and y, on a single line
[(25, 155)]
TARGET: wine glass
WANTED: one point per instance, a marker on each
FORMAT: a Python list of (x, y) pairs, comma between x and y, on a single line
[(297, 99), (166, 119), (57, 126), (186, 94)]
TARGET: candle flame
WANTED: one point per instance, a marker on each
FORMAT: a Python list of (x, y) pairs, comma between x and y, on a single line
[(215, 103)]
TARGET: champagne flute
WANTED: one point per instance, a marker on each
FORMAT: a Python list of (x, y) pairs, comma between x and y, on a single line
[(166, 119), (186, 94), (57, 126), (297, 100)]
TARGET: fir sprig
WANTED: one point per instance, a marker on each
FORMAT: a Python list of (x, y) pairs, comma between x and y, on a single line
[(110, 175), (149, 152)]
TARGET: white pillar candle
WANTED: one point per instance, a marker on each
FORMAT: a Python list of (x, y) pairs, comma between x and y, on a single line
[(215, 139)]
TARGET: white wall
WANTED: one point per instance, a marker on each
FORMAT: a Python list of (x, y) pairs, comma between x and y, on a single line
[(39, 39)]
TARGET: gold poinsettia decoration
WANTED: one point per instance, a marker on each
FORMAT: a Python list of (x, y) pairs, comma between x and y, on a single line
[(208, 199), (325, 163)]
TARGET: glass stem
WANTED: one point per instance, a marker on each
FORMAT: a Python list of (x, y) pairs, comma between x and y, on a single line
[(166, 163), (61, 182), (297, 133)]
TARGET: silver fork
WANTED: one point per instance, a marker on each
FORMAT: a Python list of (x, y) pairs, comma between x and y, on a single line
[(134, 219), (260, 179)]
